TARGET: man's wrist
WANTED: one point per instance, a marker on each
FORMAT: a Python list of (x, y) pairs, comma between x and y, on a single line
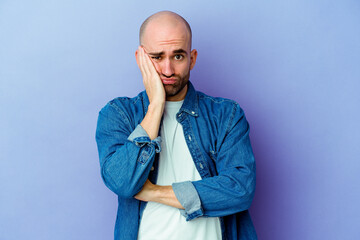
[(152, 119), (165, 195), (156, 107)]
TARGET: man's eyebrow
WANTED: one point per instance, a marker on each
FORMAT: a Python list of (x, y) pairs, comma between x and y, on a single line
[(179, 51), (156, 53), (162, 53)]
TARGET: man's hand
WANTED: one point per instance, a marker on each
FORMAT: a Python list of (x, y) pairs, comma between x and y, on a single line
[(156, 193), (146, 192), (155, 91), (151, 79)]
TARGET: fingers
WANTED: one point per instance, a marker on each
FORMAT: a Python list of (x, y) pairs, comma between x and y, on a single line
[(147, 64), (142, 63), (150, 64), (151, 79)]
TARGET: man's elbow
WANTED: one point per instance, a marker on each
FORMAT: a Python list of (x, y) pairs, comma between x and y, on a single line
[(121, 187), (246, 197)]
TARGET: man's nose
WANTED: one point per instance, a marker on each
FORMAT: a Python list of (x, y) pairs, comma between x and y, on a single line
[(167, 68)]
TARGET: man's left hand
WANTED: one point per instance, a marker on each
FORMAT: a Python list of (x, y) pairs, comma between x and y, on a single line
[(147, 192)]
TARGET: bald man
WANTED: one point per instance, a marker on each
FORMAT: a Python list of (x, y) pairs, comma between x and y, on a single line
[(179, 160)]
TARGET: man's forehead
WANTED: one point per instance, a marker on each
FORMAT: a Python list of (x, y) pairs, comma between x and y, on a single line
[(166, 47)]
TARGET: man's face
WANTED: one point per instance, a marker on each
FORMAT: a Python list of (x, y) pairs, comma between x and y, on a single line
[(169, 46)]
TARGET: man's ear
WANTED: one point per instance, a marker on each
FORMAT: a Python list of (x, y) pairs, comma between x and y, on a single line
[(137, 57), (193, 56)]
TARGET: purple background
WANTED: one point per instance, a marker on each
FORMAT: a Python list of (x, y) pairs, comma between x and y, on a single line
[(292, 65)]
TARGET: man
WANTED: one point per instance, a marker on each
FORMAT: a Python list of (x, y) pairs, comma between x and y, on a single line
[(180, 161)]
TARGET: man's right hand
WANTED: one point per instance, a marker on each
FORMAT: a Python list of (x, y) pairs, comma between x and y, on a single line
[(155, 91), (151, 79)]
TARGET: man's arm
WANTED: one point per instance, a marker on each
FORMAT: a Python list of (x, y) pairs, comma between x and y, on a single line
[(232, 190), (151, 123), (127, 157), (161, 194), (155, 91), (125, 164)]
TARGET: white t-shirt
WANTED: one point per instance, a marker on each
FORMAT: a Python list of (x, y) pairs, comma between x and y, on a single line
[(162, 222)]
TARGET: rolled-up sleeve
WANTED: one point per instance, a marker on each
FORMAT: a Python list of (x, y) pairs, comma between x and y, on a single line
[(140, 137), (187, 195)]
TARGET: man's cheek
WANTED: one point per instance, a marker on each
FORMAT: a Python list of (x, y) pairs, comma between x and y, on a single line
[(157, 66)]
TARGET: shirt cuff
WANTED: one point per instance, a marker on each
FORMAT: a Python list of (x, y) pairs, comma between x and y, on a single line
[(189, 198), (140, 137)]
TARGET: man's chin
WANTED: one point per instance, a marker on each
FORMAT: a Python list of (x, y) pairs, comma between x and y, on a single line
[(173, 90)]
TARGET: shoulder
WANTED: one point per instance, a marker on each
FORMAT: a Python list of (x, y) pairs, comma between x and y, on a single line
[(222, 112), (124, 110), (124, 104)]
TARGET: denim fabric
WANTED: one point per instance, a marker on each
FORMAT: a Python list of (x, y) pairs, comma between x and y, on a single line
[(189, 198), (217, 135)]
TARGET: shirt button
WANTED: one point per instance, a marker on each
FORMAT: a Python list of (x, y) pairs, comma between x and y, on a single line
[(201, 166), (193, 112), (152, 168), (189, 137)]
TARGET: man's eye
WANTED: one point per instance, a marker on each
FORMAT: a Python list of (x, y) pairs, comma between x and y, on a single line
[(179, 57), (156, 57)]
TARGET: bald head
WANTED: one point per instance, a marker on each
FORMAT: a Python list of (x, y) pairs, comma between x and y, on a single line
[(166, 19)]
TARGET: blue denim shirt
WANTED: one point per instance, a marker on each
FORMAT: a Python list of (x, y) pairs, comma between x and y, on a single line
[(217, 135)]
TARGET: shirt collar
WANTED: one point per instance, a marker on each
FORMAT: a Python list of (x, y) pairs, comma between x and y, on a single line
[(191, 101)]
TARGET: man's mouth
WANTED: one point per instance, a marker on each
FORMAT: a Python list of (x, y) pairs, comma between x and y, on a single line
[(168, 80)]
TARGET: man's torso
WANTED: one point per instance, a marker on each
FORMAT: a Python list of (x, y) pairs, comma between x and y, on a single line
[(163, 222)]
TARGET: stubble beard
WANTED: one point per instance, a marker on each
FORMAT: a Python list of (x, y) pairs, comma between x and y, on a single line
[(174, 89)]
